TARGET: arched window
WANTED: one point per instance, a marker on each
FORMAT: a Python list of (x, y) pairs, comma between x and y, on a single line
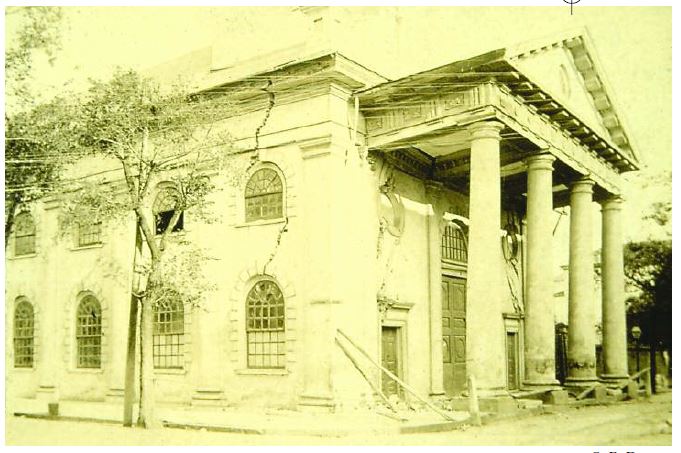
[(89, 333), (168, 334), (23, 335), (264, 195), (454, 244), (265, 326), (24, 234), (166, 203)]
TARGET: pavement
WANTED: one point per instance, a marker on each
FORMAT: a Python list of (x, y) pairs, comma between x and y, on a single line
[(253, 421), (630, 423)]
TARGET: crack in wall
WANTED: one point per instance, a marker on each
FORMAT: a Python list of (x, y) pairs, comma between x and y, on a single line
[(283, 230), (255, 158)]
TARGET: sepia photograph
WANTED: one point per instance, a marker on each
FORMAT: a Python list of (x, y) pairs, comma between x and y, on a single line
[(338, 225)]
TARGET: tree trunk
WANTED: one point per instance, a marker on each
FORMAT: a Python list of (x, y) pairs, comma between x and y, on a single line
[(147, 418), (130, 362)]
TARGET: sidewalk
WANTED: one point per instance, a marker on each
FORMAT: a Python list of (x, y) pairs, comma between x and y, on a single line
[(252, 421)]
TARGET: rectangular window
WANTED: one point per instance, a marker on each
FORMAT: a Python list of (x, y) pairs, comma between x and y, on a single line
[(89, 234), (168, 336)]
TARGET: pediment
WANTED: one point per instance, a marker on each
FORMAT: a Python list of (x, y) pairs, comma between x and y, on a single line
[(567, 68)]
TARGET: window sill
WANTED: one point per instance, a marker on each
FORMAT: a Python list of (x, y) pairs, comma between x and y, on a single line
[(88, 370), (255, 223), (22, 257), (87, 247), (23, 369), (178, 371), (263, 371)]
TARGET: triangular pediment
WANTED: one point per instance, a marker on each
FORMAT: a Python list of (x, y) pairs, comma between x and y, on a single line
[(567, 68)]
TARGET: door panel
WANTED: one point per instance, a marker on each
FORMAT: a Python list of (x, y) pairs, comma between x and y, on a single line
[(512, 360), (454, 334), (390, 360)]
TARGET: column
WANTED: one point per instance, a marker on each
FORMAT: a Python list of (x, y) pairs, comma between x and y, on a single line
[(540, 346), (485, 335), (581, 323), (434, 238), (614, 312)]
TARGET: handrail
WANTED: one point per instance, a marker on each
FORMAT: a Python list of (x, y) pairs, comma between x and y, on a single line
[(396, 379)]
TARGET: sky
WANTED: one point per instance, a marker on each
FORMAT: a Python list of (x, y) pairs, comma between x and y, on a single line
[(633, 45)]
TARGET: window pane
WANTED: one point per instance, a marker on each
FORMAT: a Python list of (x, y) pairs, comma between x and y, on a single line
[(264, 195), (265, 333), (168, 335), (23, 335), (89, 333)]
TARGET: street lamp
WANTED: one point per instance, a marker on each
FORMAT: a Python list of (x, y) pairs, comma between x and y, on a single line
[(636, 333)]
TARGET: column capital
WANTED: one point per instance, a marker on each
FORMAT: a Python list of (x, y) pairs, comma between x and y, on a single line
[(540, 161), (582, 185), (486, 129), (612, 203)]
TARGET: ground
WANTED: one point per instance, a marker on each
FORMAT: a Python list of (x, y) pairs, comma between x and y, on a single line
[(644, 422)]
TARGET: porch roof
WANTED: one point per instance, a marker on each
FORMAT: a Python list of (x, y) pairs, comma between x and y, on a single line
[(501, 66)]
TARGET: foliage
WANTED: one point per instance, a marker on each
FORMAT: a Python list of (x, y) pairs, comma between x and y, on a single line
[(39, 31), (153, 137), (648, 266), (180, 275), (31, 164)]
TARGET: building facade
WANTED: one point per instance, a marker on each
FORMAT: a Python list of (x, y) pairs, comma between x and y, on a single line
[(412, 217)]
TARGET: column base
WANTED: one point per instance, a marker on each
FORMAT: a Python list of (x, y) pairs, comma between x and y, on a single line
[(614, 379), (580, 382), (545, 384), (207, 397), (316, 403)]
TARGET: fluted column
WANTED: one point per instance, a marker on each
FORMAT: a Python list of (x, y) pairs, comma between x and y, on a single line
[(581, 323), (614, 312), (540, 347), (485, 335)]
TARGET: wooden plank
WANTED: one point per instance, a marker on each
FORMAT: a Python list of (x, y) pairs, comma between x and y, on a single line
[(372, 384), (586, 392), (398, 380)]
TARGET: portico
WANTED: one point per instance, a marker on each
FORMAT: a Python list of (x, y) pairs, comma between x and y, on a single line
[(492, 134)]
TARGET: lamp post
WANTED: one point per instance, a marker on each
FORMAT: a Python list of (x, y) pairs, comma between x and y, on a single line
[(636, 333)]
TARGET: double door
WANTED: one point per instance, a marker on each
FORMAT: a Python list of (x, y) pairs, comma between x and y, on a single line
[(454, 334)]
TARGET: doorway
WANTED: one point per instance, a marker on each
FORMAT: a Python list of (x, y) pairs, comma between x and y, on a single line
[(454, 334), (512, 363), (390, 359)]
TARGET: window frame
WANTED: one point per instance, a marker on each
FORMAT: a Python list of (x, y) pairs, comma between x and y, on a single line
[(265, 195), (159, 209), (87, 340), (29, 237), (89, 232), (25, 341), (457, 244), (174, 334), (260, 338)]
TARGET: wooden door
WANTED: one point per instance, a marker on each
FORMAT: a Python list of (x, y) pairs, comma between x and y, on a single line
[(454, 334), (390, 359), (512, 370)]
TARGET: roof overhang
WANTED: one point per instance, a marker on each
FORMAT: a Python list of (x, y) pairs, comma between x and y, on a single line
[(500, 67)]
